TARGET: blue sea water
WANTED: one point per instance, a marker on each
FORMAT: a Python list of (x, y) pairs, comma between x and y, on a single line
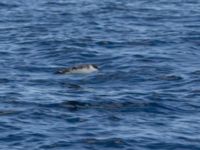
[(146, 95)]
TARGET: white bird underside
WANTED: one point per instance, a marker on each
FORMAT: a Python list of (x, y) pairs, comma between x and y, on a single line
[(83, 70)]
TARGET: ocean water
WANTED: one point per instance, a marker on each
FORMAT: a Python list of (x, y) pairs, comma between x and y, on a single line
[(146, 95)]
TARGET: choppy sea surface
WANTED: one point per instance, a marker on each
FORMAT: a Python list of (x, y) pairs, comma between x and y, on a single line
[(146, 95)]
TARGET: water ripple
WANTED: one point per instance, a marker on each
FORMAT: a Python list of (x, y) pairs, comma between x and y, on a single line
[(144, 96)]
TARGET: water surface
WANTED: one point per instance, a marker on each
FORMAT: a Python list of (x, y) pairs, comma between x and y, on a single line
[(145, 96)]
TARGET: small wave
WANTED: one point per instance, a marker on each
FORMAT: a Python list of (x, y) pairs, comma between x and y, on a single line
[(4, 80), (8, 112), (171, 77), (7, 5), (109, 142), (76, 105), (196, 72)]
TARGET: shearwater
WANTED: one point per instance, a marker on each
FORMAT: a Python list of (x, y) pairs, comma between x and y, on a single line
[(79, 69)]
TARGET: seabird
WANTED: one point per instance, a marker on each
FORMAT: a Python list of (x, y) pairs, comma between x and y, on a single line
[(79, 69)]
